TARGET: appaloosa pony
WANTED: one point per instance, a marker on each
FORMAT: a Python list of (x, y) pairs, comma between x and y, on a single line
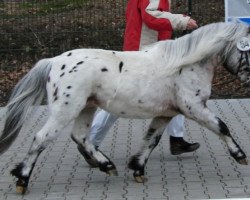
[(166, 79)]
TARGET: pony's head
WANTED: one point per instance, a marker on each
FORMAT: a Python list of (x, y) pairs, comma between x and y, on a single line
[(238, 59)]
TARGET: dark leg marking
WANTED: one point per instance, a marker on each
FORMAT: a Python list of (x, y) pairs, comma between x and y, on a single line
[(135, 165), (180, 71), (223, 128), (238, 155), (23, 181), (108, 166), (120, 66), (150, 133)]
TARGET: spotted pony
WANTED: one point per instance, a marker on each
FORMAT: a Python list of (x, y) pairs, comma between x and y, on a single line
[(159, 82)]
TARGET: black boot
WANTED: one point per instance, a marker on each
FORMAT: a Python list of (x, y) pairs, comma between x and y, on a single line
[(178, 146)]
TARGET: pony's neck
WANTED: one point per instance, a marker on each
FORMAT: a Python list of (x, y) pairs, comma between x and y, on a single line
[(203, 43)]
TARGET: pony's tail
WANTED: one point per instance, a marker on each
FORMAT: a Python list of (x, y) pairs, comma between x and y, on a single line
[(30, 90)]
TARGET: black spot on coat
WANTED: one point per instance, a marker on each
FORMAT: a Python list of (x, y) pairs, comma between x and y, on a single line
[(79, 63), (197, 92), (63, 67), (55, 92), (70, 54), (104, 69), (120, 66)]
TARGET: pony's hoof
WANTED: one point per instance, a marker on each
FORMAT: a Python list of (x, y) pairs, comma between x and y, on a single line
[(112, 172), (21, 189), (140, 179), (243, 161)]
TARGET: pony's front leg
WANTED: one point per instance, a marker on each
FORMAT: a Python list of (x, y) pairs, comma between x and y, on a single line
[(205, 117), (79, 135), (150, 141)]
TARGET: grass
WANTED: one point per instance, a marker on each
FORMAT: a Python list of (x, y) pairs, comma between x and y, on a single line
[(43, 7)]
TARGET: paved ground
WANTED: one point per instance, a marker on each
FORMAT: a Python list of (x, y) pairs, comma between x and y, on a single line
[(61, 173)]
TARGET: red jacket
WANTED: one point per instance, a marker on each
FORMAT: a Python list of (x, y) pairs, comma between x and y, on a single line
[(148, 21)]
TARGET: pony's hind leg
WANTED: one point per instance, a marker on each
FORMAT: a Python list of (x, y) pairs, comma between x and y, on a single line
[(205, 117), (87, 149), (24, 169), (150, 141), (81, 127), (59, 118)]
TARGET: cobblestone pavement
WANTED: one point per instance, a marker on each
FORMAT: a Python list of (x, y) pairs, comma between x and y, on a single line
[(61, 172)]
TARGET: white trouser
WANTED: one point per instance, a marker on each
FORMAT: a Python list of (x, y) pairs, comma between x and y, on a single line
[(103, 121)]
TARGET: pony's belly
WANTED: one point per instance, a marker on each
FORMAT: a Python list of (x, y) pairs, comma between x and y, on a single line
[(140, 112)]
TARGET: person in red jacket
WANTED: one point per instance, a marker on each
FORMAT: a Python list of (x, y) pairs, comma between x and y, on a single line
[(147, 21)]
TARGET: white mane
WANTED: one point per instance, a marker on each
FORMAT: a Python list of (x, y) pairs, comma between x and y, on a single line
[(212, 39)]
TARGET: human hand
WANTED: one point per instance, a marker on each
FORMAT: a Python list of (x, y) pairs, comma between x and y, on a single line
[(191, 24)]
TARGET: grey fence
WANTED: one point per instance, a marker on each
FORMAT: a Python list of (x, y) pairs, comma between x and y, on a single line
[(31, 30)]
